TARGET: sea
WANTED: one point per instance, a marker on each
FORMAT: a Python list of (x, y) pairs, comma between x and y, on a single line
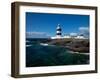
[(39, 53)]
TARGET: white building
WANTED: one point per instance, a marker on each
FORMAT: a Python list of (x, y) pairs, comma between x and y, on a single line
[(80, 37), (66, 36)]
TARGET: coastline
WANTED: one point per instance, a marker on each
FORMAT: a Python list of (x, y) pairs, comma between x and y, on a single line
[(78, 53), (74, 45)]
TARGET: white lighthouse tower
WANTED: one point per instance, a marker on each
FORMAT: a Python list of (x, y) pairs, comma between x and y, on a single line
[(58, 31)]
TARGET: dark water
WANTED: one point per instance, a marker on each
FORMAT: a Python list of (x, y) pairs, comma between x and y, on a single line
[(39, 55)]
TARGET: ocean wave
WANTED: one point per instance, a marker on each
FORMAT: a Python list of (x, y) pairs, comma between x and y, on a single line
[(43, 44), (28, 45)]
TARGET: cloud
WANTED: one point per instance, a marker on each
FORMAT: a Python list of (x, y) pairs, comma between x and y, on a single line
[(84, 31), (73, 34), (36, 35)]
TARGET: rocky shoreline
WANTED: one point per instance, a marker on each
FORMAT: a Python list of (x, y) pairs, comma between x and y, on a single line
[(74, 45)]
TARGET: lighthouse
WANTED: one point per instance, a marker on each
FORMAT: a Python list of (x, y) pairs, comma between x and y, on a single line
[(58, 31), (71, 35)]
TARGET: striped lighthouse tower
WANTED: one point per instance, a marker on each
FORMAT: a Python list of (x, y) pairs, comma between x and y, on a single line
[(58, 31)]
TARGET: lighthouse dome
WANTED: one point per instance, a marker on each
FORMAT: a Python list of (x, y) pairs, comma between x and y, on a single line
[(58, 27)]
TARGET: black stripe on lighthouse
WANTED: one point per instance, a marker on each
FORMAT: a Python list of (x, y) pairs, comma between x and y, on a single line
[(58, 33)]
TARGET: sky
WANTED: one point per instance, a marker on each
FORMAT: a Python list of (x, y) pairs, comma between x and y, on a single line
[(44, 24)]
